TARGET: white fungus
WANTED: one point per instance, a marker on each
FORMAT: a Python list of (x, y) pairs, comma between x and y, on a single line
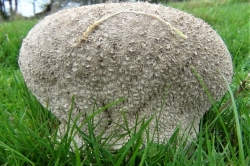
[(147, 53)]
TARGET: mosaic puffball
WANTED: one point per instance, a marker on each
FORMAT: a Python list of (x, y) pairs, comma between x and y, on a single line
[(144, 52)]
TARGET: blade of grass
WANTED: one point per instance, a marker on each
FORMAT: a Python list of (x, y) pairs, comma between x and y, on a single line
[(237, 123), (77, 155)]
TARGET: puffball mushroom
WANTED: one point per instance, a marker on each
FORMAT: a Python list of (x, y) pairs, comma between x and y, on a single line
[(144, 52)]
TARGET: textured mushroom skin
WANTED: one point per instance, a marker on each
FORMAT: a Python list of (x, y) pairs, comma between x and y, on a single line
[(130, 55)]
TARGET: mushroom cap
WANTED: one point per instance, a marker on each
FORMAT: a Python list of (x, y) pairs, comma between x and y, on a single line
[(143, 52)]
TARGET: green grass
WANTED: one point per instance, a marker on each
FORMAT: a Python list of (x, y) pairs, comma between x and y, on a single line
[(28, 131), (11, 36)]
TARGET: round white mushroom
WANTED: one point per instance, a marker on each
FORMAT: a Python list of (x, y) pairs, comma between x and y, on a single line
[(150, 54)]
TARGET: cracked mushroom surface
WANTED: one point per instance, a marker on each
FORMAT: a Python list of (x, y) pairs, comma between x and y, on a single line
[(140, 51)]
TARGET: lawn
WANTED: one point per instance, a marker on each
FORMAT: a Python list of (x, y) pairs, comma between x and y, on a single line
[(28, 131)]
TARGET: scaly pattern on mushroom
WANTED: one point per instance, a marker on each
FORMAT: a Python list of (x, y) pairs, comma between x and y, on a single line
[(139, 51)]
